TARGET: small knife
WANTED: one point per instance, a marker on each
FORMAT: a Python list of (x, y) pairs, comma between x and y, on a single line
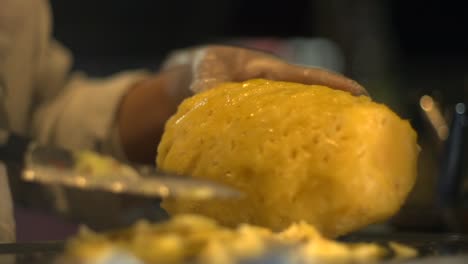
[(58, 166)]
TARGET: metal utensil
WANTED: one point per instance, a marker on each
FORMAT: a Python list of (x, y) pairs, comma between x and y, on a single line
[(51, 165), (57, 166), (452, 172)]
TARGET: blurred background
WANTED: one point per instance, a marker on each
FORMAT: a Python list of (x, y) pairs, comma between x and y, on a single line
[(399, 50), (389, 46)]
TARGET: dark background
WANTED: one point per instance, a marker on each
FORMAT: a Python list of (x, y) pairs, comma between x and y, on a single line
[(398, 49), (128, 27)]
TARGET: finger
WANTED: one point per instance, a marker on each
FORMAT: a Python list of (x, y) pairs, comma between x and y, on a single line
[(277, 70), (316, 76)]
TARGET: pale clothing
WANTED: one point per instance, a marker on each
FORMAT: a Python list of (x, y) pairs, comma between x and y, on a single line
[(7, 222), (42, 99)]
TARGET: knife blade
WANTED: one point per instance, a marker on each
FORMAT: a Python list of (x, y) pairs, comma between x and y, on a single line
[(88, 170), (92, 171)]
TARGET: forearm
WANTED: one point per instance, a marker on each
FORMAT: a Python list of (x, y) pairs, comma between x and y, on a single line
[(144, 111)]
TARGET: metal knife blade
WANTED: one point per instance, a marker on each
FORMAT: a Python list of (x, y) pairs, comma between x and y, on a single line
[(91, 171)]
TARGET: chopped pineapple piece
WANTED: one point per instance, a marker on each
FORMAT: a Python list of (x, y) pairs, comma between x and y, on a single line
[(298, 152), (197, 239)]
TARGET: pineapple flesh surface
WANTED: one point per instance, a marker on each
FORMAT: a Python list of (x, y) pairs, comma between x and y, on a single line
[(298, 152)]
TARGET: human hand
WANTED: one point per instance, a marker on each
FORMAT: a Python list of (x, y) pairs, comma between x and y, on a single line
[(150, 102), (210, 65)]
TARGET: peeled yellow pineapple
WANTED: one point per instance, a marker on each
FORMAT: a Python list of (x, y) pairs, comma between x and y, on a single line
[(298, 152)]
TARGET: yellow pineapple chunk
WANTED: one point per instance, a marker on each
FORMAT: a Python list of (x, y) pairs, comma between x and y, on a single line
[(197, 239), (298, 152)]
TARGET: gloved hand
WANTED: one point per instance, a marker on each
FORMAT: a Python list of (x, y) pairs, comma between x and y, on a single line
[(207, 66), (147, 106)]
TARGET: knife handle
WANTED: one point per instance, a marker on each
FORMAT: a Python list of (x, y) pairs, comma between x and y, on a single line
[(13, 147)]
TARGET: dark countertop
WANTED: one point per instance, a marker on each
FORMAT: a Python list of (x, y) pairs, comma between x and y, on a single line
[(30, 253), (428, 244)]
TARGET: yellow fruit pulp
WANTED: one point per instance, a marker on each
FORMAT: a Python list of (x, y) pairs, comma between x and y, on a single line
[(298, 152), (196, 239)]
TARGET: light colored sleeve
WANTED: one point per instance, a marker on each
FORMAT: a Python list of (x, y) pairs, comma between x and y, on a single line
[(75, 111), (44, 98), (7, 221), (78, 111)]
